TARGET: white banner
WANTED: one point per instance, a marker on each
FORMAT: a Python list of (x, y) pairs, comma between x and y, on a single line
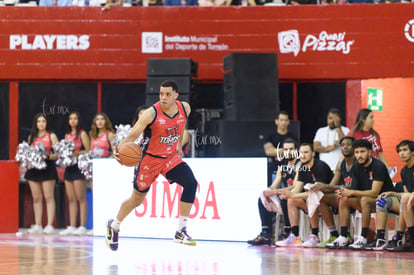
[(225, 207)]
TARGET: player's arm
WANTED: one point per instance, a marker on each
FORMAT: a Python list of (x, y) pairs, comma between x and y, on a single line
[(393, 194), (373, 192), (333, 185), (294, 191), (185, 136), (272, 190), (144, 120), (271, 151)]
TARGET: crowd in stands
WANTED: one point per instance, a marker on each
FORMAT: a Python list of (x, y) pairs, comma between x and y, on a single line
[(202, 3)]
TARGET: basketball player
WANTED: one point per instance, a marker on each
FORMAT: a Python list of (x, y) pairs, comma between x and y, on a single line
[(369, 179), (163, 125)]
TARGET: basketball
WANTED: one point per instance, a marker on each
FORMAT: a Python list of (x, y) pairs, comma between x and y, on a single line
[(130, 154)]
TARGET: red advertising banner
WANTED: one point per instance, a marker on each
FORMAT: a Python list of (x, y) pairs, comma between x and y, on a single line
[(312, 42)]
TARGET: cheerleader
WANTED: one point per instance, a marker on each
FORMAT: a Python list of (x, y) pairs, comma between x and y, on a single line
[(42, 182), (75, 182), (101, 135)]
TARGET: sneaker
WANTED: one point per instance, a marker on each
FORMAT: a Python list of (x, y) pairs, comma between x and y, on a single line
[(393, 244), (81, 231), (35, 229), (291, 240), (359, 244), (380, 245), (407, 247), (182, 237), (48, 229), (260, 240), (68, 231), (377, 244), (328, 241), (311, 241), (111, 238), (282, 236), (340, 242)]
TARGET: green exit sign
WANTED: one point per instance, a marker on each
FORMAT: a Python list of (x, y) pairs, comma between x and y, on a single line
[(375, 99)]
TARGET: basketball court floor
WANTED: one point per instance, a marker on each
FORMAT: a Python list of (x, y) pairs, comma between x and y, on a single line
[(54, 254)]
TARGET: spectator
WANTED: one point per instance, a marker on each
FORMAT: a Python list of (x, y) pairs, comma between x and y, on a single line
[(42, 182), (272, 146), (75, 182), (286, 173), (369, 179), (326, 140), (301, 2), (211, 3), (59, 3), (363, 128), (240, 3), (311, 171), (180, 2), (111, 3), (150, 3)]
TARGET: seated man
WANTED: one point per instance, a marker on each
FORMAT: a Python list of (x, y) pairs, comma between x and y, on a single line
[(311, 171), (342, 177), (390, 201), (407, 210), (369, 179), (284, 179)]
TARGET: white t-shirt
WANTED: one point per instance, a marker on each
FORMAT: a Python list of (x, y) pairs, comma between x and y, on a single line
[(327, 136)]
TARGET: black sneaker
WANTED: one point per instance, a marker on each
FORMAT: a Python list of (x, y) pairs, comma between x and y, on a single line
[(182, 237), (260, 240), (393, 244), (282, 236), (407, 247), (111, 238)]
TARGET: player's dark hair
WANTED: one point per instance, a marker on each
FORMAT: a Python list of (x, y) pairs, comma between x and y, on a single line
[(404, 142), (290, 140), (307, 144), (352, 139), (170, 83), (282, 113), (362, 143)]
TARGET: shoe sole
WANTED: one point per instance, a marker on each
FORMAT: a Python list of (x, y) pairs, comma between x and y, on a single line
[(112, 246), (185, 243)]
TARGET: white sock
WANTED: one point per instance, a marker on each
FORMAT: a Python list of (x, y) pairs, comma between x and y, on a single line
[(182, 222), (115, 224)]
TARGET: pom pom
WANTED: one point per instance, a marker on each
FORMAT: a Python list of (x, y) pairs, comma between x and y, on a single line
[(122, 131), (31, 156), (64, 150)]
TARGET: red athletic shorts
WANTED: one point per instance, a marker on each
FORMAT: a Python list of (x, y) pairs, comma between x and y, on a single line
[(151, 167)]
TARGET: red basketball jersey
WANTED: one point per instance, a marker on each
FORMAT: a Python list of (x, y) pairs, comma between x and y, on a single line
[(45, 140), (165, 131), (76, 139)]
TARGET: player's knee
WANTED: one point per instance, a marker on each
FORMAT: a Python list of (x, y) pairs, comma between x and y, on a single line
[(384, 204), (189, 190)]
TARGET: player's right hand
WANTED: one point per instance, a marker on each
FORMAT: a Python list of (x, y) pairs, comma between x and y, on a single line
[(115, 153)]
